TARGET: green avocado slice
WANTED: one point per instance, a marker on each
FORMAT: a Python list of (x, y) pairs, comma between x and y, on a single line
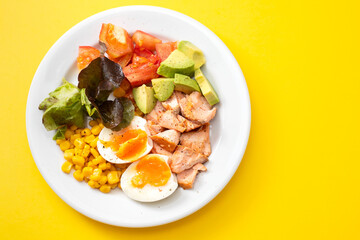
[(177, 62), (192, 52), (163, 87), (144, 98), (185, 84), (206, 88)]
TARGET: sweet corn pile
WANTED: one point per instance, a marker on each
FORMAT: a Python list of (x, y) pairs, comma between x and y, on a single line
[(81, 154)]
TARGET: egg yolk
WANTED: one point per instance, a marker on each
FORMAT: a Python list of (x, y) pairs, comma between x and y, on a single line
[(130, 145), (151, 170)]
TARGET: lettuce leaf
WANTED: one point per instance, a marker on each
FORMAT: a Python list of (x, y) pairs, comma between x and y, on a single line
[(63, 107), (91, 110), (128, 113), (99, 79), (60, 133)]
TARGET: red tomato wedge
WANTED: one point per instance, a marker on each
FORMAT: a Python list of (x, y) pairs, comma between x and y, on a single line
[(86, 55), (163, 50), (139, 74), (141, 55), (123, 60), (145, 40), (116, 40)]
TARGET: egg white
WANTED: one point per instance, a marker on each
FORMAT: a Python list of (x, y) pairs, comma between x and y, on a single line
[(148, 193), (106, 134)]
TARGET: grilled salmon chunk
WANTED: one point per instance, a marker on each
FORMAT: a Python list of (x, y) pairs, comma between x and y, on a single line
[(198, 140), (184, 158)]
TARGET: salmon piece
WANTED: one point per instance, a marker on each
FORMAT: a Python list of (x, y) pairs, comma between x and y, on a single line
[(169, 120), (184, 158), (195, 107), (168, 139), (154, 128), (155, 113), (186, 178), (198, 140), (159, 150), (172, 104), (189, 125)]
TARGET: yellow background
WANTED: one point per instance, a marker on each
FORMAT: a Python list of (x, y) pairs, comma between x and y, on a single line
[(299, 178)]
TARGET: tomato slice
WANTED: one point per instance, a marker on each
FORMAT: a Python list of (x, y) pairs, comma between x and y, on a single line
[(86, 55), (142, 55), (123, 60), (116, 40), (163, 50), (139, 74), (145, 40)]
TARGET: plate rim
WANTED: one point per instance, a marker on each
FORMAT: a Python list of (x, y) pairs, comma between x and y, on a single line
[(241, 145)]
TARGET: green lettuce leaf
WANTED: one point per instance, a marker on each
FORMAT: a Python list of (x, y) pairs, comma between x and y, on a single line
[(90, 109), (63, 107), (60, 133)]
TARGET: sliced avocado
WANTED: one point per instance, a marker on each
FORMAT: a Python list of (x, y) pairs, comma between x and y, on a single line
[(177, 62), (163, 87), (144, 98), (192, 52), (206, 88), (185, 84)]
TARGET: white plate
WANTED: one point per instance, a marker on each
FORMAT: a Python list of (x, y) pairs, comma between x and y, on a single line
[(229, 130)]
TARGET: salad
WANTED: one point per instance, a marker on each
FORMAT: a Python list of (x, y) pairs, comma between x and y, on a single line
[(139, 117)]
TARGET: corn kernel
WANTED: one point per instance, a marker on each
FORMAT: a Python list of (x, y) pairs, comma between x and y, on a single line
[(79, 143), (119, 173), (59, 141), (73, 128), (103, 179), (102, 166), (105, 188), (93, 184), (110, 166), (113, 177), (66, 167), (85, 153), (77, 167), (94, 152), (93, 143), (73, 137), (64, 145), (96, 174), (78, 175), (78, 160), (98, 160), (93, 123), (90, 164), (68, 133), (78, 131), (96, 129), (68, 155), (113, 185), (89, 139), (101, 125), (85, 132), (87, 171), (78, 151), (119, 92)]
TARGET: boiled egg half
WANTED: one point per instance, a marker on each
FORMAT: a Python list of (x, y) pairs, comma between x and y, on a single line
[(149, 179), (127, 145)]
